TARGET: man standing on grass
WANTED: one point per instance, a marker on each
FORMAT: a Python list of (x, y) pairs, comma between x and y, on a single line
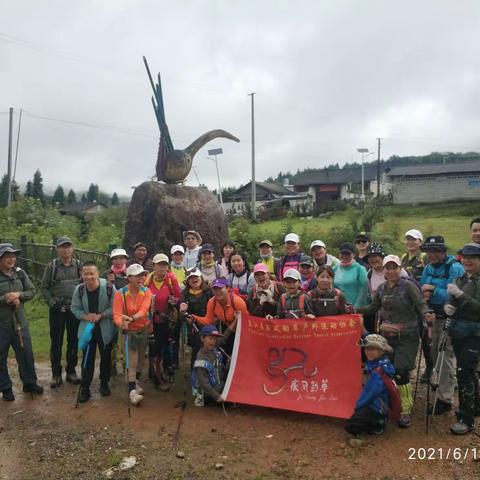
[(60, 278), (92, 304)]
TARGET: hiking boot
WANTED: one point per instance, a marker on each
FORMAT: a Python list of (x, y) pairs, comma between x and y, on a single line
[(380, 430), (32, 388), (104, 389), (73, 378), (460, 428), (8, 395), (135, 397), (440, 407), (56, 381), (425, 378), (84, 395), (405, 420), (139, 389)]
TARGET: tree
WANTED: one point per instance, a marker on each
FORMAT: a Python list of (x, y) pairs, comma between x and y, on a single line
[(115, 200), (29, 190), (37, 188), (84, 198), (59, 196), (71, 197), (92, 194)]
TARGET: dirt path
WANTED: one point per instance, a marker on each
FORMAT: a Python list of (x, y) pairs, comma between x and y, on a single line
[(49, 438)]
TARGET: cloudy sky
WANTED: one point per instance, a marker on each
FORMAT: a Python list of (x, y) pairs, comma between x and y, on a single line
[(329, 76)]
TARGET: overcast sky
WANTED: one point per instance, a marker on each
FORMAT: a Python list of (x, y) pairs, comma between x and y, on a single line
[(329, 77)]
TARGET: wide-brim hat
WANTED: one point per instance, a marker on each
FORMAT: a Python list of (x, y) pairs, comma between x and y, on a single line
[(8, 248), (434, 243), (118, 252), (376, 341), (470, 249), (194, 233)]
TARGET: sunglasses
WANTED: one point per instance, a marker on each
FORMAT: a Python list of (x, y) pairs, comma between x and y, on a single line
[(361, 241)]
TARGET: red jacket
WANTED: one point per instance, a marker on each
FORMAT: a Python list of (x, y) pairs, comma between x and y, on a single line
[(169, 287)]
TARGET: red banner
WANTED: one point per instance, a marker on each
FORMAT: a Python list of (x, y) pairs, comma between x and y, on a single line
[(311, 366)]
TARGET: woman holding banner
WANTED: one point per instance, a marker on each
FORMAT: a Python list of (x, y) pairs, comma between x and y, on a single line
[(400, 301), (223, 308)]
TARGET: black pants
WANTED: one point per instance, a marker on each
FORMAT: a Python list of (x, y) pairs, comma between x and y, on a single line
[(426, 344), (88, 364), (24, 356), (364, 420), (59, 321), (164, 345), (467, 352)]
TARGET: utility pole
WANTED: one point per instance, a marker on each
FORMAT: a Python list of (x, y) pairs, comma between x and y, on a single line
[(378, 167), (9, 169), (253, 186)]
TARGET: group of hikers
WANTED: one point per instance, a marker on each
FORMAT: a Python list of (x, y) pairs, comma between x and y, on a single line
[(148, 308)]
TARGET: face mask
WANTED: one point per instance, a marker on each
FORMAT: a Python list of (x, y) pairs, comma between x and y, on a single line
[(265, 256)]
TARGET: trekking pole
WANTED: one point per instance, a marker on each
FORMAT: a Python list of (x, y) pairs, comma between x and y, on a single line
[(126, 369), (85, 360), (437, 371), (417, 376), (22, 347)]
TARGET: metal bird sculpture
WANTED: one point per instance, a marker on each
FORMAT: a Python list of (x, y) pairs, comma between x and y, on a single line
[(173, 166)]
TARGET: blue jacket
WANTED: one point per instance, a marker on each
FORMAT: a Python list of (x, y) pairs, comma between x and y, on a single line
[(374, 393), (440, 275)]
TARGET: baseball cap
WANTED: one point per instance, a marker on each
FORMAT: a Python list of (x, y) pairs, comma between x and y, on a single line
[(118, 252), (347, 247), (159, 258), (417, 234), (63, 241), (292, 273), (361, 236), (135, 269), (209, 331), (292, 237), (392, 259), (317, 243), (220, 283), (376, 341), (306, 260), (193, 272), (206, 247), (265, 242), (260, 267), (177, 248)]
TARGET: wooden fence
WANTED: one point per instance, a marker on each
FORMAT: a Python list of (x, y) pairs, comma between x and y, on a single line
[(35, 256)]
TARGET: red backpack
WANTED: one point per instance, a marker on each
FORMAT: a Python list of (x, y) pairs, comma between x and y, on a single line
[(394, 404)]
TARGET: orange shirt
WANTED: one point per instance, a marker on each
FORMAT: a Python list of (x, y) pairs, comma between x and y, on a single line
[(216, 311), (124, 303)]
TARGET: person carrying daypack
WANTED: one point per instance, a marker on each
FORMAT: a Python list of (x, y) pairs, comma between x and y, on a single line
[(92, 304), (440, 270), (293, 303), (400, 302), (265, 294), (325, 299), (379, 398), (59, 280)]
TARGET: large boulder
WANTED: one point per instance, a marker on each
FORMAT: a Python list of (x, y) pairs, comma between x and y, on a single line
[(160, 213)]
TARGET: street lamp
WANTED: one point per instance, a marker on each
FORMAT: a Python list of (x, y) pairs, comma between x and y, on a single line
[(215, 152), (363, 151)]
